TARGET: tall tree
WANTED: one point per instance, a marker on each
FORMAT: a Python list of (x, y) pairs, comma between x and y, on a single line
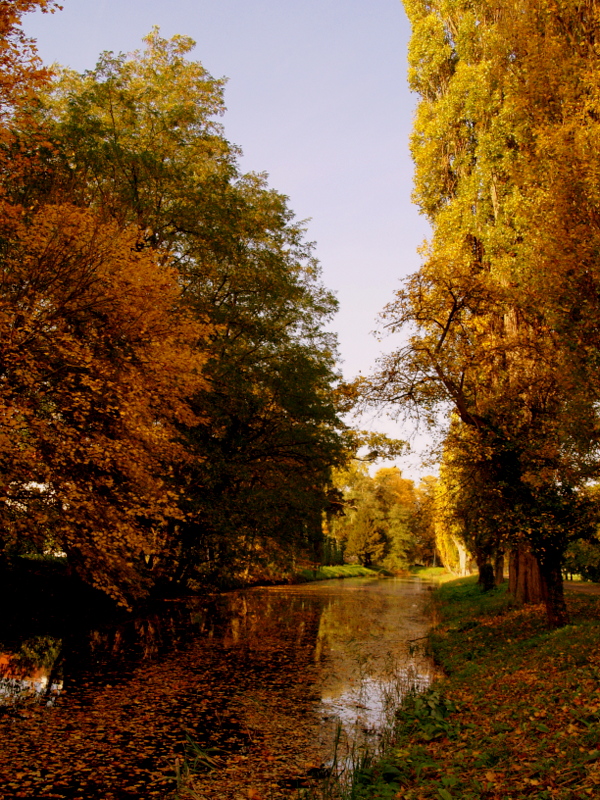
[(136, 140), (505, 87), (424, 548), (98, 357)]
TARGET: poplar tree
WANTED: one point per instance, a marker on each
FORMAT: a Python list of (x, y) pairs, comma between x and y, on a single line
[(503, 312)]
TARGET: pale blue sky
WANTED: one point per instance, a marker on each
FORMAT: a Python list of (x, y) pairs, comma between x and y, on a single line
[(317, 97)]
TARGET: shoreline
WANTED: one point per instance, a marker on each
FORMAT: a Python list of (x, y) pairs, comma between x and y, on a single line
[(517, 714)]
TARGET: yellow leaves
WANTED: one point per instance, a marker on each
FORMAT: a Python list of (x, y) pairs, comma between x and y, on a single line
[(506, 150)]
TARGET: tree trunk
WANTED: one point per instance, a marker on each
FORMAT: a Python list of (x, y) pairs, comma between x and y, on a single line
[(499, 567), (486, 571), (462, 556), (524, 577), (486, 577), (554, 596), (534, 580)]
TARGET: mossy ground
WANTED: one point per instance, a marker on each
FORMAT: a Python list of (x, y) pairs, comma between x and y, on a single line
[(518, 715)]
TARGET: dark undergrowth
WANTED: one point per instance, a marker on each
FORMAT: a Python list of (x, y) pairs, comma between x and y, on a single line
[(42, 596)]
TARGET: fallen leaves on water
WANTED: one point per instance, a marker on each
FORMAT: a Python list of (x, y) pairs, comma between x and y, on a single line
[(231, 712)]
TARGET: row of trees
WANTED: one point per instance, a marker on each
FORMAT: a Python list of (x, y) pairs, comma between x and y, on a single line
[(167, 389), (500, 324)]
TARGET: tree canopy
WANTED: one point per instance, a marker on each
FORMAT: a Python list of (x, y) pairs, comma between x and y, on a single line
[(500, 316), (169, 386)]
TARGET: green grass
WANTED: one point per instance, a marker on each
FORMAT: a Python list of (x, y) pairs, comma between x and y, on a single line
[(340, 571), (437, 574), (517, 715)]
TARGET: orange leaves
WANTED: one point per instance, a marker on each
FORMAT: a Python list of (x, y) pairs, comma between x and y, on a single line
[(98, 361), (20, 69), (132, 248)]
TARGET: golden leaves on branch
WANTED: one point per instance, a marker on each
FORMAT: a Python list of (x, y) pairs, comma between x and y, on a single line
[(99, 359)]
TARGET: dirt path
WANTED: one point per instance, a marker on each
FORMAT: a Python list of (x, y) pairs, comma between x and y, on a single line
[(582, 587)]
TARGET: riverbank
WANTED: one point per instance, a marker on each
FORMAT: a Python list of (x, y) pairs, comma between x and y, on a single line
[(518, 715), (41, 590), (338, 571)]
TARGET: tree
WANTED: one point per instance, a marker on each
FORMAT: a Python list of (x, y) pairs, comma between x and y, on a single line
[(376, 524), (21, 72), (470, 506), (396, 498), (135, 139), (504, 89), (423, 523), (97, 357), (98, 360), (357, 523)]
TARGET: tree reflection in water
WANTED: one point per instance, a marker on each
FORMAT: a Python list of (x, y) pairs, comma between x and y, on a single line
[(31, 673), (255, 678)]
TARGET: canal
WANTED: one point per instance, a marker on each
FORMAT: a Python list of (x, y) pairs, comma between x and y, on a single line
[(247, 688)]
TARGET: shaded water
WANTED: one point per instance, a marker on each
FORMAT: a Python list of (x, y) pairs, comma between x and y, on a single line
[(248, 687)]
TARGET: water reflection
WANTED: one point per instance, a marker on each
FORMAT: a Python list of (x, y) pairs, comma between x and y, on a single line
[(31, 672), (368, 654), (256, 678)]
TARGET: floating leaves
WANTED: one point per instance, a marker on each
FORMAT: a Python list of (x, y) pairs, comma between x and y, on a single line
[(217, 699)]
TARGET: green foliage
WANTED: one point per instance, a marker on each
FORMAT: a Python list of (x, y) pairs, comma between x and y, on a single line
[(189, 359), (37, 652), (427, 715), (341, 571), (437, 574), (376, 523), (518, 713), (332, 551), (582, 557)]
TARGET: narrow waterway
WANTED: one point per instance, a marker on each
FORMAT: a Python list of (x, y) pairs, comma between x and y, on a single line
[(248, 688)]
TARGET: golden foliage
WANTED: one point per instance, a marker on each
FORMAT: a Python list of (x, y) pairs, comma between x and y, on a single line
[(98, 360)]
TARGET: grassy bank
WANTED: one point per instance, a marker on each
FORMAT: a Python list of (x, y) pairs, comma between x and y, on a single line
[(339, 571), (435, 574), (518, 715)]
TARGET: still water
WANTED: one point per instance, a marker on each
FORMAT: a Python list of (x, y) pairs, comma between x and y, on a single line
[(250, 688)]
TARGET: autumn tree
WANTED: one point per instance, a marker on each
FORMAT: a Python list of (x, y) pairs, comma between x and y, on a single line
[(98, 359), (376, 523), (503, 152), (470, 508), (136, 140), (395, 496), (97, 365), (21, 71), (423, 523)]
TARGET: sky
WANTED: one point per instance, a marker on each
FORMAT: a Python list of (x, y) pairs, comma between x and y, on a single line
[(317, 98)]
